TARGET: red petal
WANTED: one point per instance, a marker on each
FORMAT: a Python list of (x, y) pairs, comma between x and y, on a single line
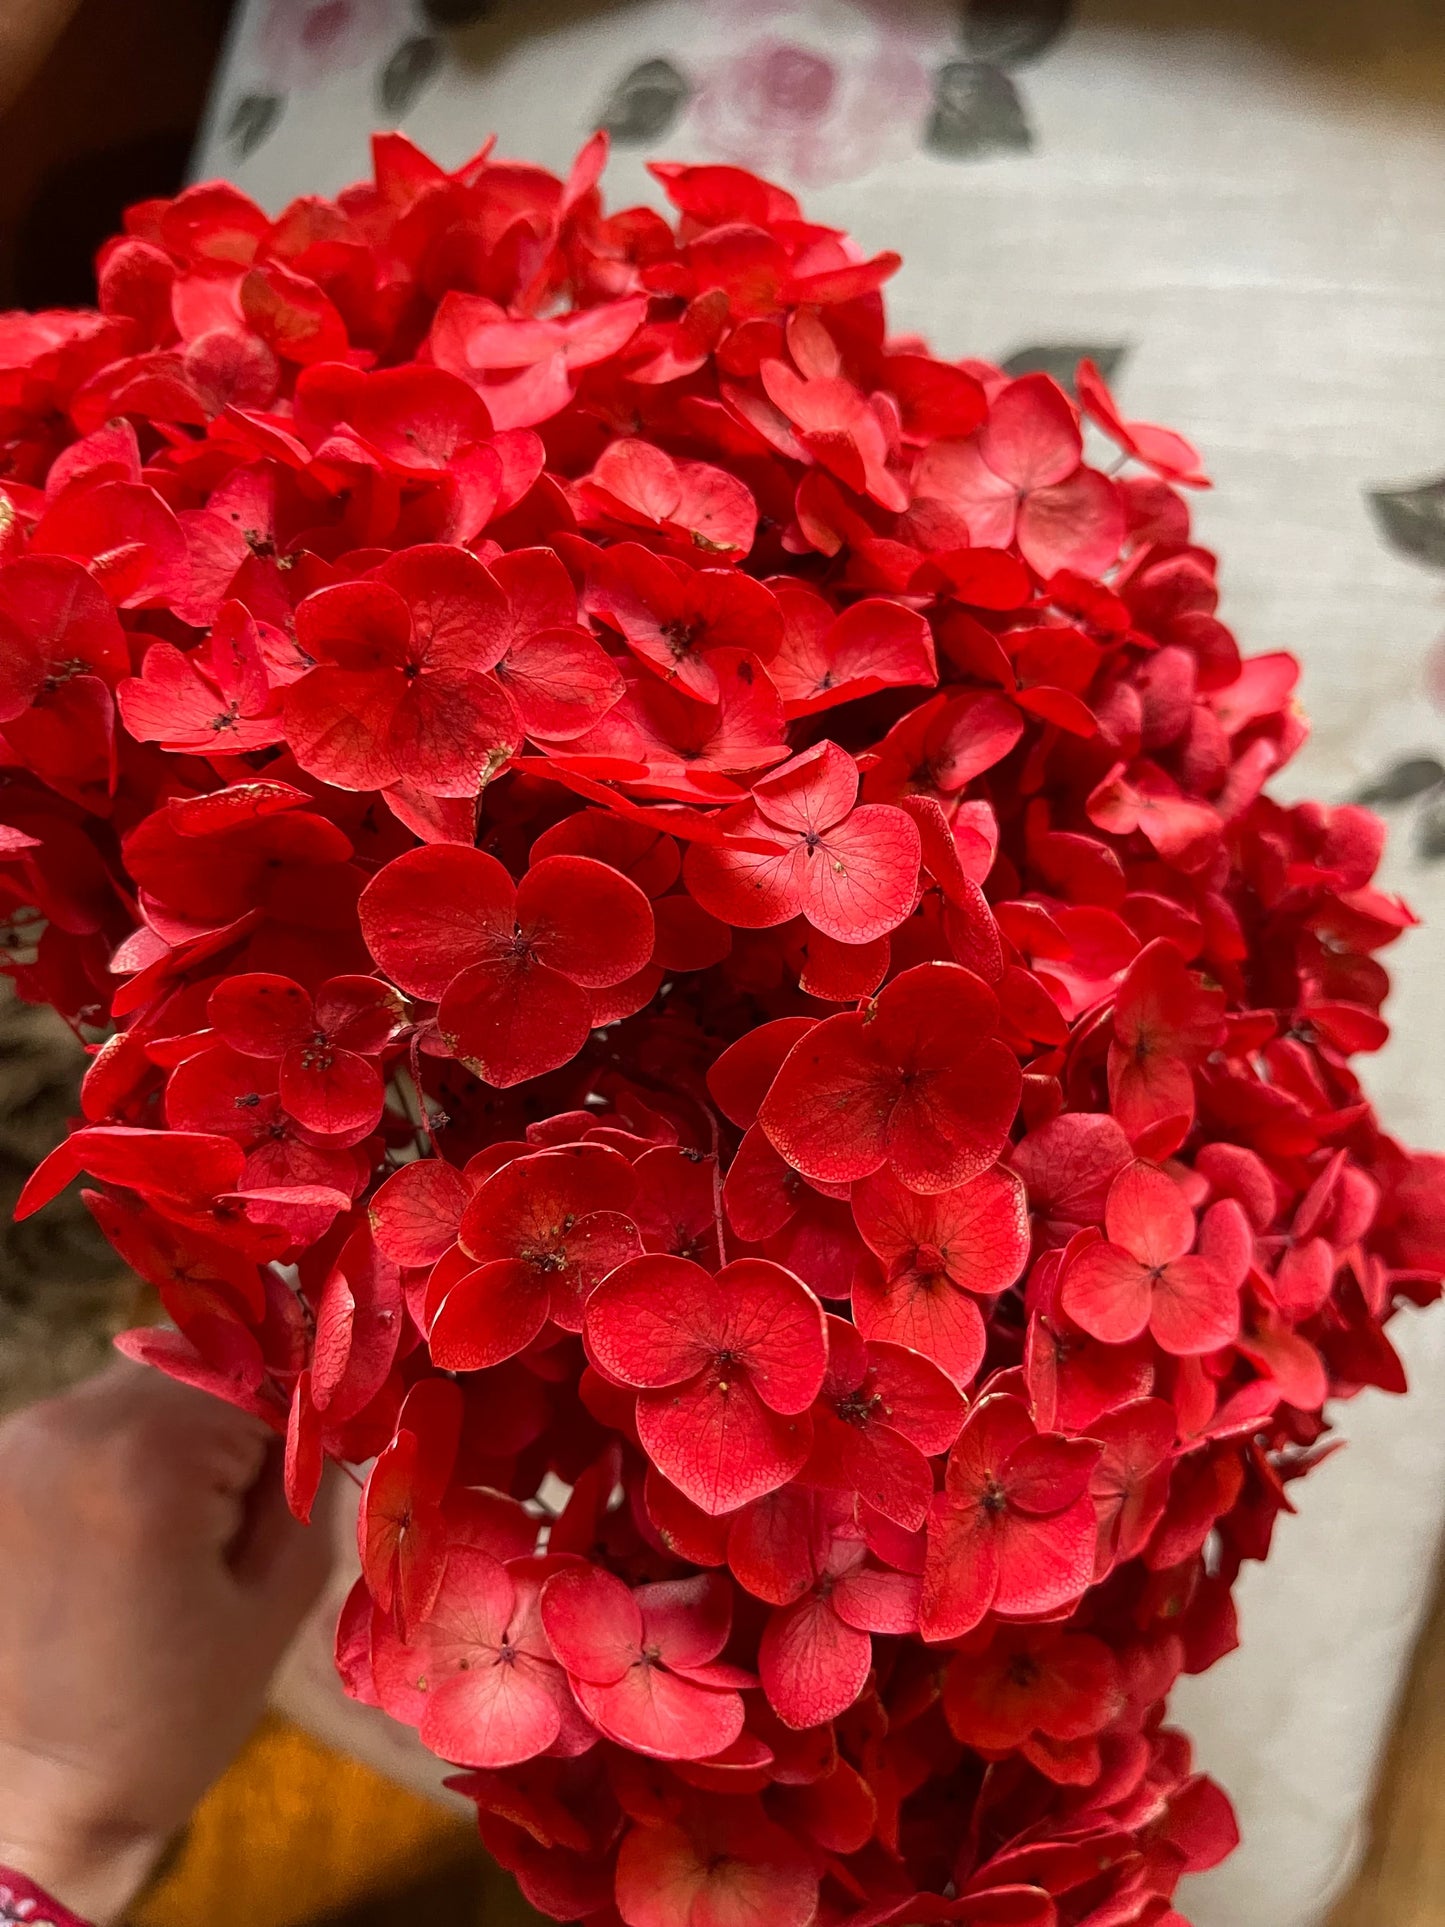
[(740, 1078), (450, 734), (358, 1013), (1031, 437), (459, 613), (657, 1714), (428, 914), (721, 1448), (1079, 524), (416, 1212), (812, 1665), (361, 626), (652, 1322), (593, 1623), (262, 1015), (1195, 1308), (921, 1401), (496, 1714), (402, 1544), (586, 920), (361, 1309), (862, 879), (644, 854), (687, 1621), (926, 1313), (1148, 1215), (887, 1471), (761, 1192), (961, 1572), (1045, 1564), (810, 792), (331, 1091), (562, 682), (489, 1315), (841, 973), (755, 1875), (1107, 1292), (304, 1459)]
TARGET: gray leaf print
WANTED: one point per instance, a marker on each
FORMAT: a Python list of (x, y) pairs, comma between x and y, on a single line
[(645, 104), (408, 74), (1402, 781), (251, 120), (976, 111), (1430, 831), (1412, 520), (1061, 360), (1011, 32)]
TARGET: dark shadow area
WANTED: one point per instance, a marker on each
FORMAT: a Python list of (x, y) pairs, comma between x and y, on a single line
[(455, 1897), (110, 118)]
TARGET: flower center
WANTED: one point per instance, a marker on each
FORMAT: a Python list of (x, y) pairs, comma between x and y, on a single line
[(545, 1258), (858, 1408), (681, 638)]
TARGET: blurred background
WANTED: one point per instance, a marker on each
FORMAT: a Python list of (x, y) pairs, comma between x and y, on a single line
[(1238, 208)]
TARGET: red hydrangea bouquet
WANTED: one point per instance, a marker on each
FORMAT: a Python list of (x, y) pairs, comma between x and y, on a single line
[(688, 962)]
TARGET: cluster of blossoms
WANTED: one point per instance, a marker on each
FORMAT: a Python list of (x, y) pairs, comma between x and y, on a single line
[(688, 960)]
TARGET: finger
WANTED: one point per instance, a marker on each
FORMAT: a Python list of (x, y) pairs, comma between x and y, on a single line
[(140, 1396), (183, 1460), (280, 1566)]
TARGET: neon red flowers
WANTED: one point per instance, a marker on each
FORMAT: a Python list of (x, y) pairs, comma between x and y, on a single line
[(802, 848), (690, 969), (328, 1078), (726, 1367), (401, 693), (1014, 1528), (1143, 1275), (510, 966), (919, 1082), (644, 1665)]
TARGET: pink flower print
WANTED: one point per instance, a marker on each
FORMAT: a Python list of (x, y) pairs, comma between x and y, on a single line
[(16, 1910), (300, 42), (810, 107)]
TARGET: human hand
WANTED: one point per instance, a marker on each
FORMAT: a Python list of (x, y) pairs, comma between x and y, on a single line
[(150, 1579)]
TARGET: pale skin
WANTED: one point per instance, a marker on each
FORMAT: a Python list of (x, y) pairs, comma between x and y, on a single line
[(150, 1579)]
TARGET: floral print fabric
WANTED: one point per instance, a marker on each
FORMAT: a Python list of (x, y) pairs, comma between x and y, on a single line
[(23, 1904)]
